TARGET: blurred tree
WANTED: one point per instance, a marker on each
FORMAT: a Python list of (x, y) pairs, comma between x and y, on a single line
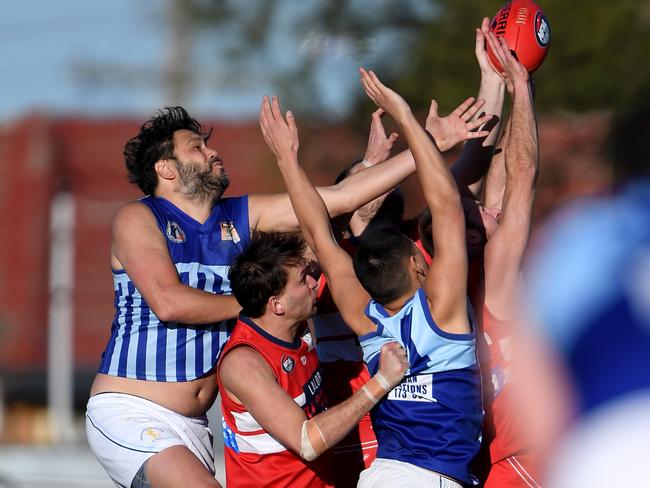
[(598, 58)]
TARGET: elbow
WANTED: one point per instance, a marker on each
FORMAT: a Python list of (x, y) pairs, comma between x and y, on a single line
[(344, 201), (312, 442), (164, 307), (164, 312)]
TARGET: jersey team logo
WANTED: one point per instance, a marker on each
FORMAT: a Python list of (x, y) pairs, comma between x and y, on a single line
[(229, 232), (288, 364), (175, 233), (150, 434)]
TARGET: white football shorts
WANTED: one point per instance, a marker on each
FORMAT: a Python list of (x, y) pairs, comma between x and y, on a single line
[(125, 430), (389, 473)]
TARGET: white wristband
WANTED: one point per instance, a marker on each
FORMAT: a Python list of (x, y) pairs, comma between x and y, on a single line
[(382, 381), (367, 163), (370, 396)]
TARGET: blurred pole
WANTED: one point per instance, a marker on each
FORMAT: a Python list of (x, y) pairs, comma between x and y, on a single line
[(60, 356), (179, 52)]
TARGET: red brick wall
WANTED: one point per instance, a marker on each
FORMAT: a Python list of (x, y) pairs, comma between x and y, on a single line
[(39, 155)]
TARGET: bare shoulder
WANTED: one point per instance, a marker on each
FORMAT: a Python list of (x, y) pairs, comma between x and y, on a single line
[(131, 213), (134, 230), (243, 362)]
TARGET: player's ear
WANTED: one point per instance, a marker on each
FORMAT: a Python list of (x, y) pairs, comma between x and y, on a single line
[(165, 169), (415, 265), (275, 305)]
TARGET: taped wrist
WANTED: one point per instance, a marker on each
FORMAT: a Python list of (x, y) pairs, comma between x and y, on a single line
[(367, 163), (376, 387), (312, 442)]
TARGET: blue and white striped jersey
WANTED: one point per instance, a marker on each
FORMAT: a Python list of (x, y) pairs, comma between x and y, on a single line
[(433, 418), (143, 347)]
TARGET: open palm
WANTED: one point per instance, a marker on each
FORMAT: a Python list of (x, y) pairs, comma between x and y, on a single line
[(458, 126)]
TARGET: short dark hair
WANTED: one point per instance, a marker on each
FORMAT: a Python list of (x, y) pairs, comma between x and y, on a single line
[(155, 141), (261, 270), (381, 261)]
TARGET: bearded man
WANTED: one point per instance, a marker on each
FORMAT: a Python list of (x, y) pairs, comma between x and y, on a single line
[(170, 255)]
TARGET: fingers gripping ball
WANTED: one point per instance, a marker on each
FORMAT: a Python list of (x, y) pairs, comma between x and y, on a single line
[(527, 32)]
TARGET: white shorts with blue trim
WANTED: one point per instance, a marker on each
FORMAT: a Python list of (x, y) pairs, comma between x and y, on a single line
[(125, 430)]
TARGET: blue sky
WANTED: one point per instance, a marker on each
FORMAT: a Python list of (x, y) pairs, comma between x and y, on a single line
[(44, 43)]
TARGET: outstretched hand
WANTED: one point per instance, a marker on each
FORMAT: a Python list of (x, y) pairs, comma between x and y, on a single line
[(480, 50), (379, 145), (280, 135), (384, 97), (513, 71), (458, 126)]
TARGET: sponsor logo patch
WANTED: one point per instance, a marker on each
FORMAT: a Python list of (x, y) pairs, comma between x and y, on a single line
[(229, 438), (229, 232), (175, 233), (414, 389), (309, 340)]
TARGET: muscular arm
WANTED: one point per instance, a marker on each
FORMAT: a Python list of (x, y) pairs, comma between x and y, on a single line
[(275, 212), (474, 161), (139, 247), (278, 414), (504, 251), (309, 207), (446, 281), (495, 179)]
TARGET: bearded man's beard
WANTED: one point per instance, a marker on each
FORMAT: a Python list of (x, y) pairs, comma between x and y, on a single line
[(201, 184)]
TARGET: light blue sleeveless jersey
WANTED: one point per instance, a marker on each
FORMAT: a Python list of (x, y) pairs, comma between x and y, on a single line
[(143, 347), (433, 418)]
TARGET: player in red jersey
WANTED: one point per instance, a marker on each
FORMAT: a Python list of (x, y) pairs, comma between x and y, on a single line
[(501, 229), (498, 226), (275, 422)]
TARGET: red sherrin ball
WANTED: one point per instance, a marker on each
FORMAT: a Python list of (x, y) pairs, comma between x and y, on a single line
[(527, 32)]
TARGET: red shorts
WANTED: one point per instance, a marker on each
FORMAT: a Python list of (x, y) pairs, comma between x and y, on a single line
[(513, 472)]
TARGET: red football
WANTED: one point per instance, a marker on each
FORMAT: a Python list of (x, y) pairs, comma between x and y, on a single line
[(527, 32)]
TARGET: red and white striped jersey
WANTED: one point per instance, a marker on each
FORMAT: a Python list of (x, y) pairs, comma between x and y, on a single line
[(253, 456)]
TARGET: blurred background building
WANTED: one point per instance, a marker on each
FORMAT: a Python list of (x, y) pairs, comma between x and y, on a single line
[(78, 78)]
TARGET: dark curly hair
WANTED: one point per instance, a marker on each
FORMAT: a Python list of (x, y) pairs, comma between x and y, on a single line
[(260, 271), (155, 142)]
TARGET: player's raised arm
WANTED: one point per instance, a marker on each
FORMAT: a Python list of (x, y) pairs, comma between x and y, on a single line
[(282, 138), (379, 145), (505, 249), (474, 161), (460, 125), (446, 281)]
